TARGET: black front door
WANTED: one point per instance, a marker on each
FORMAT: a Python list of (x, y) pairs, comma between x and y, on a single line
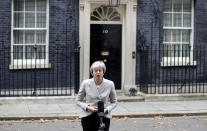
[(106, 46)]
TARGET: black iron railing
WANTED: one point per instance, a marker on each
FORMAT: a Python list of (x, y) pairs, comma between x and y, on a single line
[(172, 71), (37, 72)]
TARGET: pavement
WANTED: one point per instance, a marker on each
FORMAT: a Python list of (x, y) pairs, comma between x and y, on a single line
[(16, 108)]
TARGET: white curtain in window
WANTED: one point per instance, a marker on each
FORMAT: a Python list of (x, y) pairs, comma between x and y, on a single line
[(41, 5), (168, 19), (18, 37), (41, 20), (187, 5), (18, 5), (168, 6), (30, 20), (35, 44), (186, 36), (177, 21), (176, 36), (177, 12), (167, 35), (30, 13), (18, 52), (18, 20), (177, 5), (186, 20), (29, 5), (40, 37), (29, 37)]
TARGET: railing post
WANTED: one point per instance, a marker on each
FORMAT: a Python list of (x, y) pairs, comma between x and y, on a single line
[(144, 74), (77, 65), (35, 72)]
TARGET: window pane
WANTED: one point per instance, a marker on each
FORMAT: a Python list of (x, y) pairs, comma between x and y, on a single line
[(30, 52), (177, 21), (114, 17), (167, 35), (186, 36), (37, 52), (187, 5), (167, 48), (168, 19), (186, 20), (172, 50), (41, 37), (30, 5), (18, 52), (168, 5), (185, 50), (41, 20), (40, 54), (175, 52), (105, 9), (41, 5), (29, 37), (29, 20), (176, 35), (177, 5), (18, 5), (18, 37), (110, 11), (18, 20)]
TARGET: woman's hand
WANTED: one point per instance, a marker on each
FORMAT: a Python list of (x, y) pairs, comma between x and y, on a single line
[(105, 111), (92, 108), (95, 109)]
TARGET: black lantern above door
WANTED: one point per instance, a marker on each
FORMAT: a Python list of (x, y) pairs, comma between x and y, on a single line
[(114, 3)]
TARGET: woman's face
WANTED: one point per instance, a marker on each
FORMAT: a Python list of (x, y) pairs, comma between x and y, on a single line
[(98, 73)]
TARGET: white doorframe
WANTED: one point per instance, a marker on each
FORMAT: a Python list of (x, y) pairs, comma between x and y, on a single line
[(128, 13)]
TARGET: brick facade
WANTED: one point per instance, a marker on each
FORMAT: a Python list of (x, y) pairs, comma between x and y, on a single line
[(63, 38), (150, 36)]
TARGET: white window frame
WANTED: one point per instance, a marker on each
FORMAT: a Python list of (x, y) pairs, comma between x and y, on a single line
[(181, 61), (30, 63)]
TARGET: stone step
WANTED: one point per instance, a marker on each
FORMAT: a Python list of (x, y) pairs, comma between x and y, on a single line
[(122, 97)]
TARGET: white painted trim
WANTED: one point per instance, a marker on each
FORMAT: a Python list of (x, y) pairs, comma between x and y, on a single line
[(12, 25), (192, 31), (177, 61), (182, 28), (84, 39), (29, 28), (106, 22), (29, 64)]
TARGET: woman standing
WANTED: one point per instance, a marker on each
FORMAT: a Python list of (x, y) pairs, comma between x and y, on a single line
[(94, 90)]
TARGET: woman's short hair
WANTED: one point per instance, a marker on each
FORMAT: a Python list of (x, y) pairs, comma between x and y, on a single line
[(98, 64)]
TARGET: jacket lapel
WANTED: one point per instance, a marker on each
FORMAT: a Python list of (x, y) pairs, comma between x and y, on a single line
[(95, 88), (102, 87)]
